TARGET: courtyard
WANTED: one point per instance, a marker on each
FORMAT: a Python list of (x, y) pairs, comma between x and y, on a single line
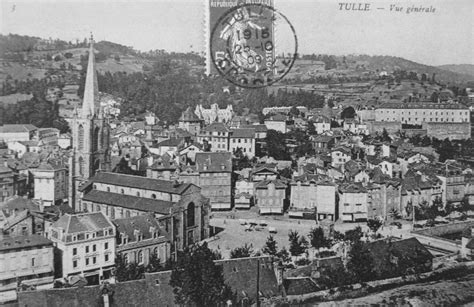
[(232, 233)]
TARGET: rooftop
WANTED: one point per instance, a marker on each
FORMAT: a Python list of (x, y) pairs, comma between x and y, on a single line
[(124, 180), (16, 242), (423, 105), (130, 202), (82, 222), (17, 128), (214, 162)]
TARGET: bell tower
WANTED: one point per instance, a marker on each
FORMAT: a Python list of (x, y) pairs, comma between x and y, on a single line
[(90, 134)]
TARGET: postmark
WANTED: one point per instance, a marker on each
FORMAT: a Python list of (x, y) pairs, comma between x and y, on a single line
[(244, 48)]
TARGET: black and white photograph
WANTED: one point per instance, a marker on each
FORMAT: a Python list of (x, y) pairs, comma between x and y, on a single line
[(247, 153)]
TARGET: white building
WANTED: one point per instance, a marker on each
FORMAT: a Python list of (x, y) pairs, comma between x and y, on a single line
[(313, 196), (12, 133), (87, 245), (352, 202), (422, 112), (214, 114), (243, 139), (51, 183)]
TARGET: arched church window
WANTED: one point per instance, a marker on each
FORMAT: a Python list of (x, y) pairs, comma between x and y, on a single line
[(81, 166), (80, 137), (95, 139)]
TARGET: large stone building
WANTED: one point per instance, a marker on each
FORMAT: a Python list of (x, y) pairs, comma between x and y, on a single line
[(352, 202), (315, 196), (214, 114), (139, 237), (440, 120), (243, 139), (6, 183), (90, 134), (85, 245), (271, 196), (26, 259), (215, 137), (180, 208), (215, 177)]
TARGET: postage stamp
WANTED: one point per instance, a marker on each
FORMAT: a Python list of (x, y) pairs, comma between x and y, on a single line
[(243, 46)]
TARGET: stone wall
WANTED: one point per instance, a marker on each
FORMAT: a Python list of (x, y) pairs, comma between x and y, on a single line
[(453, 131), (375, 126)]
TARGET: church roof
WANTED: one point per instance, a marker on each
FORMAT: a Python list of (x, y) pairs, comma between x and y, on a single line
[(153, 184), (90, 104)]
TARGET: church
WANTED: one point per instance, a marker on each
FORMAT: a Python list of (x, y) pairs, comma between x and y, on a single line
[(90, 135), (179, 208)]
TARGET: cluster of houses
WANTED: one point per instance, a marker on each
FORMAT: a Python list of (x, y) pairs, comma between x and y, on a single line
[(66, 210)]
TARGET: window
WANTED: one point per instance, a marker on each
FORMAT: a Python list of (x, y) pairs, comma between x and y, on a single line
[(87, 249), (74, 251), (140, 257), (87, 261), (106, 257), (122, 191), (127, 214), (93, 248), (125, 258), (74, 263), (153, 196), (32, 261), (81, 137), (106, 245), (94, 260), (346, 204), (358, 204), (190, 215), (108, 189)]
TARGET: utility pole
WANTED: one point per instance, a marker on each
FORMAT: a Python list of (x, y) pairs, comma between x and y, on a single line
[(258, 282)]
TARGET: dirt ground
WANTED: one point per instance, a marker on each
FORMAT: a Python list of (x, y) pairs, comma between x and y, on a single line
[(235, 235)]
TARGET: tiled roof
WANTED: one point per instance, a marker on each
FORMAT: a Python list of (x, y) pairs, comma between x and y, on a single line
[(124, 180), (277, 117), (81, 222), (423, 105), (241, 275), (279, 184), (129, 201), (143, 223), (216, 127), (16, 128), (214, 162), (17, 242), (243, 133), (172, 142), (19, 203), (409, 248), (352, 188)]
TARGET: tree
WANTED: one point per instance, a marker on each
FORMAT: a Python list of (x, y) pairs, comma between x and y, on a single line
[(296, 247), (294, 112), (154, 264), (241, 252), (197, 280), (284, 255), (361, 262), (270, 247), (117, 58), (348, 112), (317, 238), (374, 225), (353, 235), (121, 268)]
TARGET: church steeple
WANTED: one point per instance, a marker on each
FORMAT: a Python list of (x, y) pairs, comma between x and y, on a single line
[(90, 104)]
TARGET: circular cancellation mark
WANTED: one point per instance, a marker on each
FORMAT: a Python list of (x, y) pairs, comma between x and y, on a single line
[(242, 46)]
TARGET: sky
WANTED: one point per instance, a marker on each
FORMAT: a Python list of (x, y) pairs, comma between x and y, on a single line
[(445, 36)]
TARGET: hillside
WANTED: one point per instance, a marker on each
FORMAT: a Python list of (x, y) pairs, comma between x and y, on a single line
[(390, 63), (467, 69)]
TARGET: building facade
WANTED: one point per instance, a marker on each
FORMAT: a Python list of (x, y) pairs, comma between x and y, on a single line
[(50, 183), (85, 244), (171, 202), (90, 135), (139, 237), (26, 259)]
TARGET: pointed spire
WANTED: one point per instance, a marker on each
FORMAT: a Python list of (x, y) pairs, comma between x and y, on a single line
[(90, 104)]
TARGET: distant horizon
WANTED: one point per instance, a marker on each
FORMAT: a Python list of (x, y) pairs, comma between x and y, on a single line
[(440, 38)]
